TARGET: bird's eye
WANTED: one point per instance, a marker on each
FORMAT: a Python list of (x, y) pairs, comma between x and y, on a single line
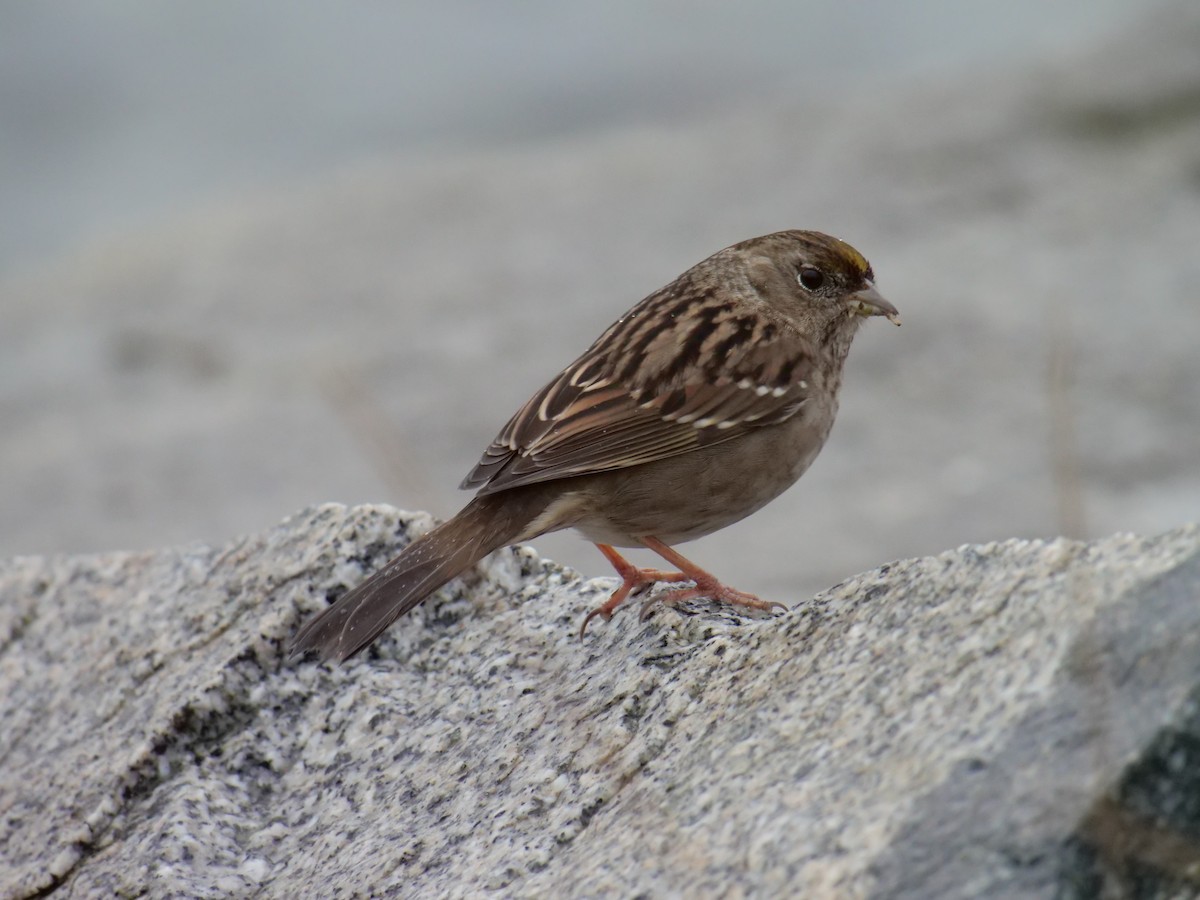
[(811, 279)]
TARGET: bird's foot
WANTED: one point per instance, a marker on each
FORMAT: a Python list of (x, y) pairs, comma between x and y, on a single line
[(634, 580), (708, 590)]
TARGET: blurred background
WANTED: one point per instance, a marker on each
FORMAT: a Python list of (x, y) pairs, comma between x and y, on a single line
[(256, 257)]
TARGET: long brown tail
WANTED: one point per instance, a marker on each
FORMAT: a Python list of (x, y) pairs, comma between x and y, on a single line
[(362, 614)]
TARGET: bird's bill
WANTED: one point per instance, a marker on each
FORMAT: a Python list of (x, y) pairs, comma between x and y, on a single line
[(869, 302)]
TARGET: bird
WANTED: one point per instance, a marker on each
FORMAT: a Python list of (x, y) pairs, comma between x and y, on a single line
[(697, 407)]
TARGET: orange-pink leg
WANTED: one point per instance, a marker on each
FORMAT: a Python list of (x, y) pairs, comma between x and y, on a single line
[(634, 580)]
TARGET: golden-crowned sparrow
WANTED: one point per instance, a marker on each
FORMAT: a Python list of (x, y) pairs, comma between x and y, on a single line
[(696, 408)]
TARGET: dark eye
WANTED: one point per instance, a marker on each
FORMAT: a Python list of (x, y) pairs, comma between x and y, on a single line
[(811, 278)]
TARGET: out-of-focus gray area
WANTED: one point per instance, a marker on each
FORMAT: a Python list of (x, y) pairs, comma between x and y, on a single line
[(262, 258), (120, 117)]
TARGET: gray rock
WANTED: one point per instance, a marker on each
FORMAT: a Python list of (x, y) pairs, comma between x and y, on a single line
[(1017, 719)]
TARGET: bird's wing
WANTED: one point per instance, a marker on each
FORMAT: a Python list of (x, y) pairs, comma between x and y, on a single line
[(592, 419)]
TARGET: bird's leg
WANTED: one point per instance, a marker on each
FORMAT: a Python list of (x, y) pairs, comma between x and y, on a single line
[(635, 579), (706, 584)]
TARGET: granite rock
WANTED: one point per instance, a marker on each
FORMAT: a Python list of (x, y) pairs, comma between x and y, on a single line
[(1015, 719)]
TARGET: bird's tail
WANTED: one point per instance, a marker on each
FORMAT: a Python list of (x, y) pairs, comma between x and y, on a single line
[(362, 614)]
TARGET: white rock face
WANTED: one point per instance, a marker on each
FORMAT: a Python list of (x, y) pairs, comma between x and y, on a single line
[(1003, 720)]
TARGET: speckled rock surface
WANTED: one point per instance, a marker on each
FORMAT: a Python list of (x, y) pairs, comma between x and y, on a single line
[(999, 720)]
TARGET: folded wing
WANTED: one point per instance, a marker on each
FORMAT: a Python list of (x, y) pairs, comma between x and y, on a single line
[(590, 420)]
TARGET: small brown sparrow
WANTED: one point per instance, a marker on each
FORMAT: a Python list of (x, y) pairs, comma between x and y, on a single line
[(695, 409)]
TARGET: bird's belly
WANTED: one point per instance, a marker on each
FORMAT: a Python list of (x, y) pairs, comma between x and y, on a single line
[(689, 496)]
